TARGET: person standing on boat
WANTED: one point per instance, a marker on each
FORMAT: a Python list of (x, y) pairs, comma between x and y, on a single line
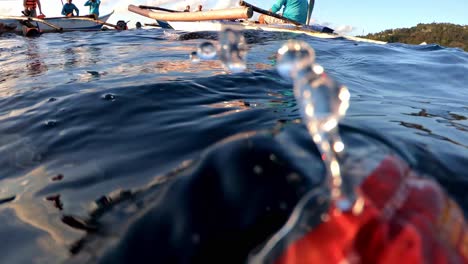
[(293, 9), (93, 7), (68, 8), (30, 7)]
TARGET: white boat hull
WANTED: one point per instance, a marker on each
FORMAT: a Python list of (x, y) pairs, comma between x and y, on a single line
[(67, 24), (197, 26)]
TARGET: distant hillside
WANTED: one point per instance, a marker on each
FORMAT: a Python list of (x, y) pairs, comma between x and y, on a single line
[(444, 34)]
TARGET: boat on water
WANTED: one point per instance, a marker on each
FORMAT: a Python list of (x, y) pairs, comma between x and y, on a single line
[(57, 24), (235, 17)]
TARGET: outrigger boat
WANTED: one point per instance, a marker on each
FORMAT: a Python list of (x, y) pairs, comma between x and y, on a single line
[(216, 20), (56, 24)]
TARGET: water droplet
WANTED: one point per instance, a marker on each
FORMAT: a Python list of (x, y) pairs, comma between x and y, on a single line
[(272, 157), (50, 123), (109, 97), (258, 169), (323, 102), (291, 55), (344, 205), (194, 57), (206, 51), (233, 50), (338, 146), (325, 217)]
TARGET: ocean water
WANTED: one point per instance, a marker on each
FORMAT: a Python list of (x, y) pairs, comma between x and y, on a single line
[(86, 114)]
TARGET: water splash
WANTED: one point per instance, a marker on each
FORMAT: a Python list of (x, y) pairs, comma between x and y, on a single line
[(206, 51), (322, 103), (233, 50)]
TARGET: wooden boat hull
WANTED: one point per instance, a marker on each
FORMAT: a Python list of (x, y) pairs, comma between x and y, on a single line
[(67, 24)]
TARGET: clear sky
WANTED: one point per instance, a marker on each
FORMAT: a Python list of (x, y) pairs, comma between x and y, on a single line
[(376, 15), (351, 17)]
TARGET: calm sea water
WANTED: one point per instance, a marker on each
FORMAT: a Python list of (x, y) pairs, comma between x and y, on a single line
[(85, 114)]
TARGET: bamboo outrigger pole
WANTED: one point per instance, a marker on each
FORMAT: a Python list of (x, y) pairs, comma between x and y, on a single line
[(226, 14)]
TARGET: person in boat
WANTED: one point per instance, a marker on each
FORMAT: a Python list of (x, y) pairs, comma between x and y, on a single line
[(68, 9), (138, 25), (187, 9), (200, 7), (293, 9), (30, 7), (93, 7)]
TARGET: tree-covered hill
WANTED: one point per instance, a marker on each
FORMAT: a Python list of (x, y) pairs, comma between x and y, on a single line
[(444, 34)]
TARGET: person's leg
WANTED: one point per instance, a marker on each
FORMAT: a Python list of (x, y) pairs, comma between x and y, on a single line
[(261, 19), (271, 20)]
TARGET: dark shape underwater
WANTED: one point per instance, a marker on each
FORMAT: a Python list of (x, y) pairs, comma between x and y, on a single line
[(229, 202)]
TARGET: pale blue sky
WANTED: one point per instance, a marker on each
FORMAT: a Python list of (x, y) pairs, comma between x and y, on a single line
[(349, 17), (377, 15)]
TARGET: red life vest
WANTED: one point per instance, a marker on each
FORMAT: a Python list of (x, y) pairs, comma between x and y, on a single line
[(31, 3), (421, 225)]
